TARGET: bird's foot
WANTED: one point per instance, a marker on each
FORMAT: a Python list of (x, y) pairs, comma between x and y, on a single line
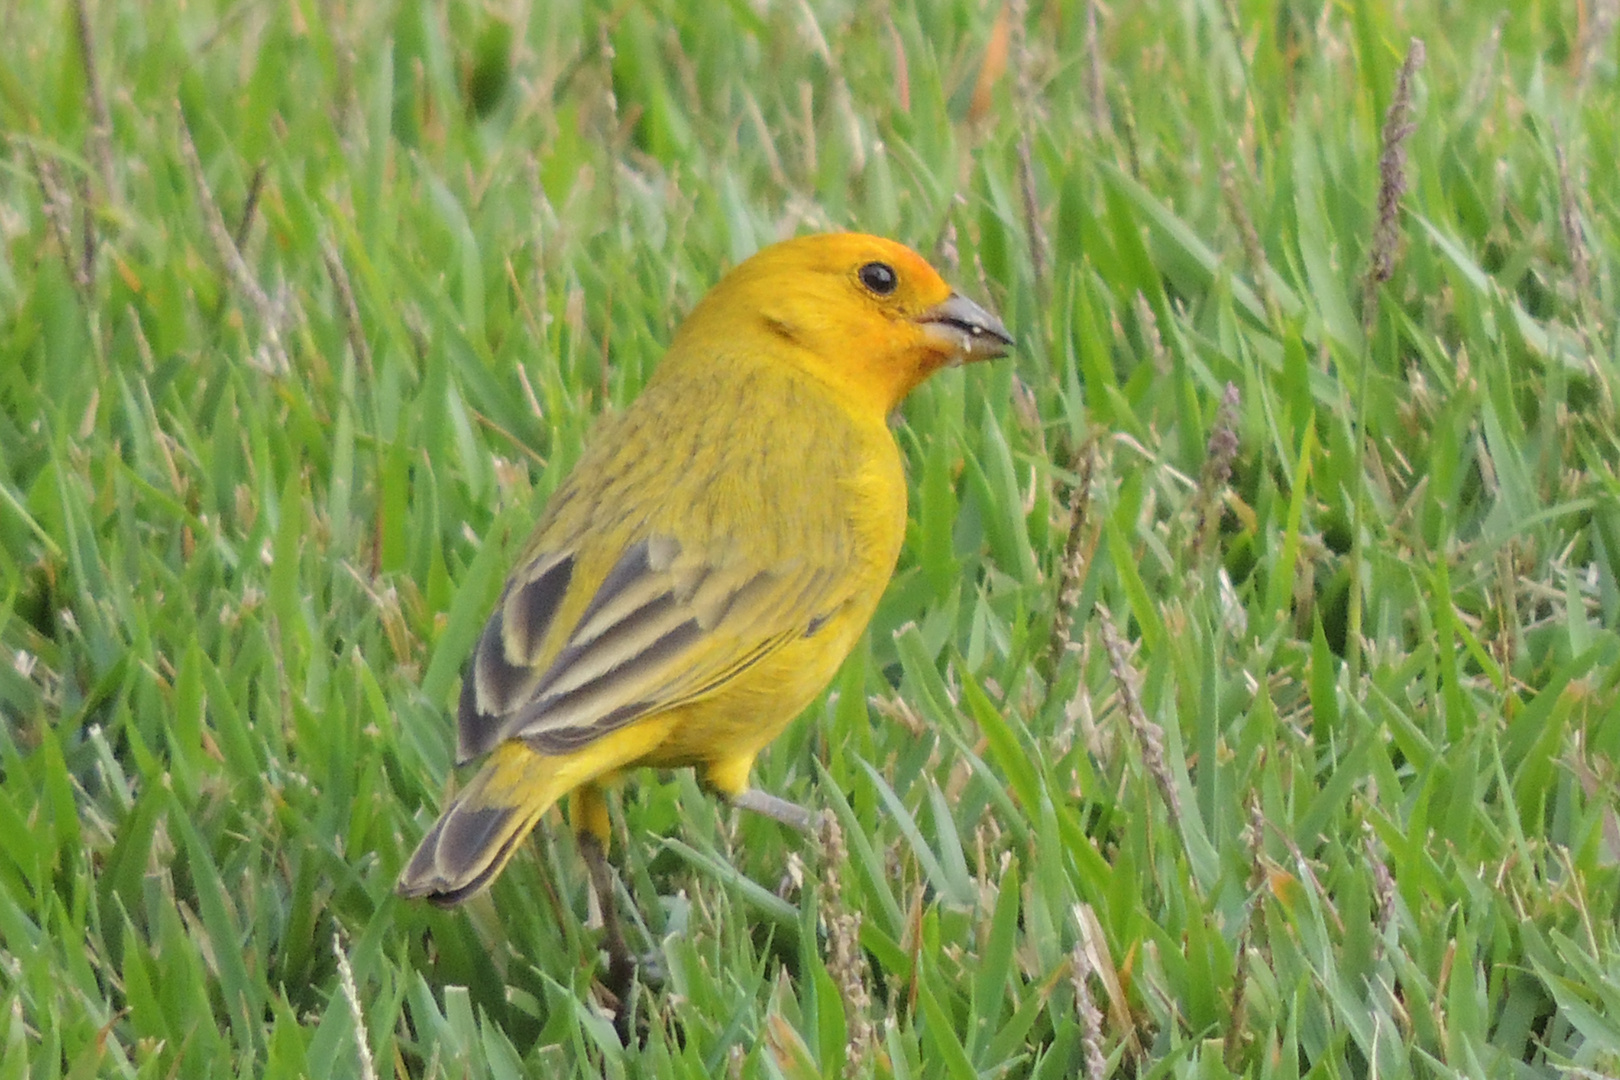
[(616, 991)]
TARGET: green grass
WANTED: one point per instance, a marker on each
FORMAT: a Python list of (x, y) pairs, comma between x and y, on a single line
[(1380, 837)]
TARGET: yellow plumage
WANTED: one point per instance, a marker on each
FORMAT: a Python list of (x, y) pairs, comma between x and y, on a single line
[(699, 577)]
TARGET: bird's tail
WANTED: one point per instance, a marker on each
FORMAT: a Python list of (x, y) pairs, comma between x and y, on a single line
[(483, 825)]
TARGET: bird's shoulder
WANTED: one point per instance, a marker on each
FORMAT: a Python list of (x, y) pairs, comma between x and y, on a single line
[(738, 448)]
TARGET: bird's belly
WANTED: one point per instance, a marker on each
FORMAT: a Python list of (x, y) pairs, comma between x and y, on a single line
[(742, 719)]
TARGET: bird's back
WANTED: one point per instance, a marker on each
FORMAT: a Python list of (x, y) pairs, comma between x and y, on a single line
[(776, 477)]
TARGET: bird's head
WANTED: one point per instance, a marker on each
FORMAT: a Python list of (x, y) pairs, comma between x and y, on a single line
[(866, 315)]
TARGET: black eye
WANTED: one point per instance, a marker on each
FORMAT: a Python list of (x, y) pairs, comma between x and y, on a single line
[(879, 277)]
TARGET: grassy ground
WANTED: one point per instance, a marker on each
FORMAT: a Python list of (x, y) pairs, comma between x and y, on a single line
[(1246, 701)]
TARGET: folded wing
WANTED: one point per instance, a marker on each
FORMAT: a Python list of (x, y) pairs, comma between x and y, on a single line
[(664, 626)]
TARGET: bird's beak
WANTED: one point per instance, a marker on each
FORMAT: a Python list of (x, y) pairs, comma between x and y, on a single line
[(967, 330)]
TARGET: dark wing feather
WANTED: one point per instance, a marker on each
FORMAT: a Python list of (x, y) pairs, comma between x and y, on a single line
[(499, 678), (664, 627)]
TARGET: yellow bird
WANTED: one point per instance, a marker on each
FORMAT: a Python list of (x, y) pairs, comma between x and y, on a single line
[(714, 556)]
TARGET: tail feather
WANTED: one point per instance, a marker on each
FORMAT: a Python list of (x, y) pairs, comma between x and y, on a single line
[(482, 827)]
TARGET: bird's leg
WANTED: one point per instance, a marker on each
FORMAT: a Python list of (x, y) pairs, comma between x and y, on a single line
[(772, 806), (729, 777), (590, 816), (621, 965)]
